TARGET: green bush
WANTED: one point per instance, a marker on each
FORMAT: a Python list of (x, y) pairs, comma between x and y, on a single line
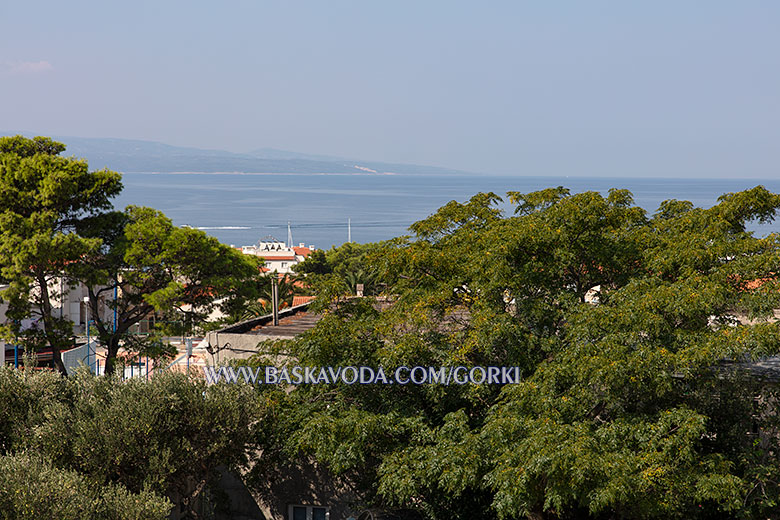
[(24, 398), (167, 434), (31, 488)]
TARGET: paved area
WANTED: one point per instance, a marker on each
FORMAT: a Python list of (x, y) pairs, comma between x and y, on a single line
[(289, 326)]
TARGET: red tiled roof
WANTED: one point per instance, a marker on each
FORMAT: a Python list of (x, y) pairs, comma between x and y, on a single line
[(303, 251), (752, 285), (277, 258), (300, 300)]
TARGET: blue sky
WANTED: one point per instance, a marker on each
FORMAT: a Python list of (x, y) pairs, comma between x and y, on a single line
[(663, 88)]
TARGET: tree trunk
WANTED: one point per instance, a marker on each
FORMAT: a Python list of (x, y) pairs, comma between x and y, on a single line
[(48, 324), (57, 360), (112, 349)]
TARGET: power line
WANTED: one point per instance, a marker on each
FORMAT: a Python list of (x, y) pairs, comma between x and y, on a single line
[(314, 225)]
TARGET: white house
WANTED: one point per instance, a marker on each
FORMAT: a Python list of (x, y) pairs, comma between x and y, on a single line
[(277, 255)]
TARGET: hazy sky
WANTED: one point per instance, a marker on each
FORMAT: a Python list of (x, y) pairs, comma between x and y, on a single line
[(664, 88)]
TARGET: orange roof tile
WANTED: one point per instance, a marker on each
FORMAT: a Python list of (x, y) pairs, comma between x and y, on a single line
[(277, 258), (300, 300), (757, 283)]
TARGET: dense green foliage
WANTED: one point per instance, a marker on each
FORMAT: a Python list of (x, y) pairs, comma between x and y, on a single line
[(177, 274), (58, 229), (114, 444), (338, 271), (31, 489), (44, 198), (632, 333), (621, 323)]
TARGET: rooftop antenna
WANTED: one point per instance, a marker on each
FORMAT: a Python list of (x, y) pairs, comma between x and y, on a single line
[(289, 235), (349, 229)]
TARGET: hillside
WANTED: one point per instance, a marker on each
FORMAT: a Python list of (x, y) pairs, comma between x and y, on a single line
[(127, 155)]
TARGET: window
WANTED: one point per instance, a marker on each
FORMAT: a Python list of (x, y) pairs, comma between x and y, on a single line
[(284, 264), (308, 513)]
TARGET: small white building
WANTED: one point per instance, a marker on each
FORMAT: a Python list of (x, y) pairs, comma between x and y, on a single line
[(68, 300), (277, 255)]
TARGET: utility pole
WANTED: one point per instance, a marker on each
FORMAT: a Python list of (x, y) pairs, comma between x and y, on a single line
[(115, 305), (275, 298), (188, 343)]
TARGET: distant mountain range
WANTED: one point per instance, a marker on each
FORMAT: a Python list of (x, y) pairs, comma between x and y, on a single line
[(127, 155)]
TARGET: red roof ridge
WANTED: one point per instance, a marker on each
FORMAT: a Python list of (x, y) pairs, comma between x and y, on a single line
[(267, 258)]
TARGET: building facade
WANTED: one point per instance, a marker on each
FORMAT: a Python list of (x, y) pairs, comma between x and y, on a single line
[(277, 255)]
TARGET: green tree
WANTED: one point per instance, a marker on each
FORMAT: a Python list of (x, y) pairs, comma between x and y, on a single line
[(620, 323), (44, 197), (338, 271), (286, 289), (316, 263), (56, 224), (180, 275)]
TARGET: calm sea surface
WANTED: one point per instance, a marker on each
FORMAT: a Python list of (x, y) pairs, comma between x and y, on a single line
[(240, 209)]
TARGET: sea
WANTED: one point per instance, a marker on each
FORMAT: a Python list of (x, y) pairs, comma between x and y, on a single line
[(240, 209)]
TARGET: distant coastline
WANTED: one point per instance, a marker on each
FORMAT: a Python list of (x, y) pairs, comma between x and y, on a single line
[(136, 156), (363, 174)]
